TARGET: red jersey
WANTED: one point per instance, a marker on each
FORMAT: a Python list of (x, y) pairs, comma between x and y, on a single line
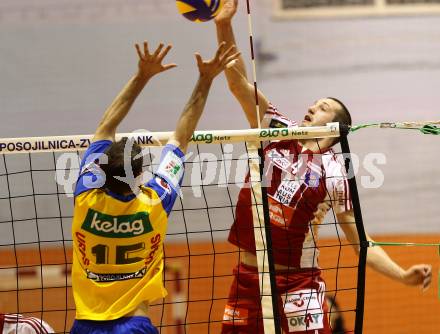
[(302, 186)]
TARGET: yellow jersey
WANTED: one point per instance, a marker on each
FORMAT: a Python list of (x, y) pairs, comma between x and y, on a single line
[(118, 240)]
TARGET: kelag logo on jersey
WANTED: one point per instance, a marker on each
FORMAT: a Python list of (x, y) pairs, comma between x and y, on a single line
[(127, 226)]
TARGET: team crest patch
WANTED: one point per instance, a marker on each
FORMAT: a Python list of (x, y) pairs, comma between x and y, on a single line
[(171, 169), (312, 179)]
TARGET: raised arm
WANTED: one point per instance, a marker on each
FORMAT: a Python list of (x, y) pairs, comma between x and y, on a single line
[(238, 82), (148, 66), (190, 116), (378, 259)]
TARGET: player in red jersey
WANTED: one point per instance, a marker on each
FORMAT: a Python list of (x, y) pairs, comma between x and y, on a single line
[(307, 179)]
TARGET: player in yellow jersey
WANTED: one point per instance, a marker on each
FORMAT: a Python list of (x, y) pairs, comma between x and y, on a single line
[(118, 229)]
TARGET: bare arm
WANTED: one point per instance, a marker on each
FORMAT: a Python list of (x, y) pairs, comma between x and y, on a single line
[(191, 114), (225, 32), (239, 84), (378, 259), (193, 110), (148, 66)]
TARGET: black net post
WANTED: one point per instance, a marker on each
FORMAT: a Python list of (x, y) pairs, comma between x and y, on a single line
[(363, 243), (268, 230)]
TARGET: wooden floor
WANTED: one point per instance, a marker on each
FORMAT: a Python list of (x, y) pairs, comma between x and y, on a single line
[(390, 308)]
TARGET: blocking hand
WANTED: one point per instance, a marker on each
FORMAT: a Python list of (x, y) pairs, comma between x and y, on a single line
[(151, 64), (227, 12), (211, 68)]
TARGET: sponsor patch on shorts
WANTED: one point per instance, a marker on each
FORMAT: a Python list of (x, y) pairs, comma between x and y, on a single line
[(235, 316), (303, 310)]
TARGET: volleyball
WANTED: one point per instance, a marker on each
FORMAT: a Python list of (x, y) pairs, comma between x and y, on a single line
[(199, 10)]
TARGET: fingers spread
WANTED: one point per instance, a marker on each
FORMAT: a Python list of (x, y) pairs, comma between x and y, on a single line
[(228, 52), (159, 48), (220, 49), (199, 59), (164, 53), (231, 63), (146, 52), (138, 50), (233, 57), (169, 66)]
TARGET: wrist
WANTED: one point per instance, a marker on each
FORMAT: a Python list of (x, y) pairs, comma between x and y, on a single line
[(143, 76), (223, 22), (402, 275), (206, 78)]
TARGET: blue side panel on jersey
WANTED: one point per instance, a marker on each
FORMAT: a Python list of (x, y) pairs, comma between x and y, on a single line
[(166, 192), (88, 178), (172, 148)]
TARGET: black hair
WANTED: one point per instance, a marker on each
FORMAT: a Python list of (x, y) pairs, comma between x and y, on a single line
[(342, 116), (115, 165)]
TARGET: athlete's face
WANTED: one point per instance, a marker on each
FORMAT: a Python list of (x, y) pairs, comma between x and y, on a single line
[(321, 112)]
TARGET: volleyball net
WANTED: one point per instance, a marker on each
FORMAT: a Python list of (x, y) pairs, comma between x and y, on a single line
[(37, 178)]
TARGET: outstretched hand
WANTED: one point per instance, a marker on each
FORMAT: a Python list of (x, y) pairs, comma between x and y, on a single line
[(151, 64), (227, 12), (213, 67), (420, 274)]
